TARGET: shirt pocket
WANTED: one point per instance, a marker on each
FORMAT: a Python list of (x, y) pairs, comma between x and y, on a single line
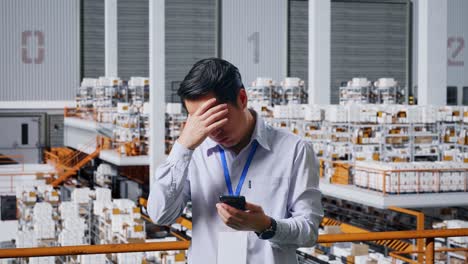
[(269, 193)]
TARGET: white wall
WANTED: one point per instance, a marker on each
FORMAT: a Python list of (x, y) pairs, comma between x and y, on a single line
[(457, 45), (457, 28), (8, 230), (39, 50), (254, 38)]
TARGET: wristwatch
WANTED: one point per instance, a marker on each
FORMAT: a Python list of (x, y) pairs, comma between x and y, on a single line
[(269, 232)]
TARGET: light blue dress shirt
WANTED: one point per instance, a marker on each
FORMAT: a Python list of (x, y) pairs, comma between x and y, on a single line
[(283, 179)]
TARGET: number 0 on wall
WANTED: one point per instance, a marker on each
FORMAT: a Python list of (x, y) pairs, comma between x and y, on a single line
[(28, 36)]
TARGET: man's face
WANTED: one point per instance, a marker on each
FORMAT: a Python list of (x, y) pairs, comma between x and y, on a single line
[(229, 135)]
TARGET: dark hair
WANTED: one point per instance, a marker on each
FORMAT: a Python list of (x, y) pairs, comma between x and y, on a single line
[(212, 75)]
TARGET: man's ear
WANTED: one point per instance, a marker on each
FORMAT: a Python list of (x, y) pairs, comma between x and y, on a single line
[(243, 99)]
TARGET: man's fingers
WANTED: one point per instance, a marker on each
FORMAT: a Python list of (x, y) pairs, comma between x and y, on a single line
[(252, 207), (227, 217), (231, 223), (238, 214), (213, 110), (234, 226), (216, 125), (216, 116), (205, 106), (223, 217)]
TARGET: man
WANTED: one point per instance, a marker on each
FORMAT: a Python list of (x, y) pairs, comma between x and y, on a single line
[(226, 146)]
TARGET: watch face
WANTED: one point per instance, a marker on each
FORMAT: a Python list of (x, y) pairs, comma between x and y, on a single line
[(267, 234), (270, 232)]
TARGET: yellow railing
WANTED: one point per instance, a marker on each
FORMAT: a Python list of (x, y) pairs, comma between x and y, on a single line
[(93, 249), (428, 235), (419, 226)]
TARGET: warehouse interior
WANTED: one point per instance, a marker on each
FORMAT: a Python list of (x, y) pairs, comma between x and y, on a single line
[(89, 108)]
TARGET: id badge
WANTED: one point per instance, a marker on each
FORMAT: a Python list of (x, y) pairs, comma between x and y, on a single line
[(232, 247)]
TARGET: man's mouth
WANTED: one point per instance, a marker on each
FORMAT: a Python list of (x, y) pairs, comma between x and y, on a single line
[(222, 140)]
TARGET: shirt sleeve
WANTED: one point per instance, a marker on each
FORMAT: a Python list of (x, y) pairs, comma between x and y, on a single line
[(170, 188), (304, 203)]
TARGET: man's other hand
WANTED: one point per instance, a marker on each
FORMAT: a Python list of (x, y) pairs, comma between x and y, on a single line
[(253, 219)]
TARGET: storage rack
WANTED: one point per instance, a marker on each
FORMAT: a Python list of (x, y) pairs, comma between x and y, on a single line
[(357, 95), (449, 147), (106, 93), (391, 95), (174, 126), (337, 159), (456, 257), (84, 98), (425, 142), (419, 177), (85, 211), (366, 140), (339, 138), (293, 90), (138, 92), (391, 134), (264, 91), (396, 143), (463, 138), (314, 132), (144, 131), (389, 92), (127, 132), (357, 91), (362, 91), (293, 125)]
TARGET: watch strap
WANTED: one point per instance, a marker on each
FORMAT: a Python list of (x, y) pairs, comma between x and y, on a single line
[(269, 232)]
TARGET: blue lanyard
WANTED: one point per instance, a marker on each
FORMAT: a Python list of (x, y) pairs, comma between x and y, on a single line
[(244, 171)]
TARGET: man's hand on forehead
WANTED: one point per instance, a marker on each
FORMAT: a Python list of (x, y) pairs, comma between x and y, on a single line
[(209, 117)]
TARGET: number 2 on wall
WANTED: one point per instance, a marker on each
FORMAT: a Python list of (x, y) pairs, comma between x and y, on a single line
[(455, 47)]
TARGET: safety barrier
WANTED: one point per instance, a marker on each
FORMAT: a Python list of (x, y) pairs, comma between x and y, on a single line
[(428, 235)]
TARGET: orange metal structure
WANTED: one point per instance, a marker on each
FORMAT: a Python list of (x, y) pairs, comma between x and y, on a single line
[(78, 112), (94, 249), (350, 229), (58, 155), (68, 162), (429, 235), (67, 172), (419, 225)]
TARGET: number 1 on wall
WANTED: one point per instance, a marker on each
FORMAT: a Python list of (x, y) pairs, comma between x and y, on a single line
[(254, 39)]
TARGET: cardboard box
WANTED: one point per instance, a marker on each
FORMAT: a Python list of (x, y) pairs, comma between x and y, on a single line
[(359, 249), (332, 230)]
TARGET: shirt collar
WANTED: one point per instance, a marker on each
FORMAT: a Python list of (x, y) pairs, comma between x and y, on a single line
[(260, 133)]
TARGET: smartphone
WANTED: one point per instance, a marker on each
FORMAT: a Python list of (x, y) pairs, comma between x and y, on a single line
[(237, 202)]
